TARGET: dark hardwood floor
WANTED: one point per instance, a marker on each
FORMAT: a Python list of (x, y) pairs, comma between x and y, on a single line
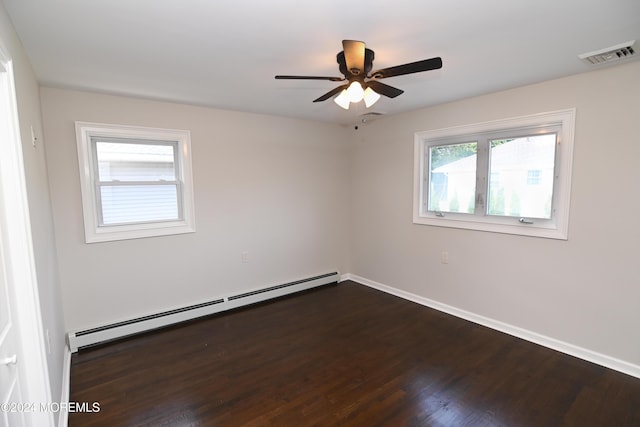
[(343, 355)]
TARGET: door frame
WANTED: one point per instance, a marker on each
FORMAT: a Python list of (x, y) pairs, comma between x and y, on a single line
[(19, 258)]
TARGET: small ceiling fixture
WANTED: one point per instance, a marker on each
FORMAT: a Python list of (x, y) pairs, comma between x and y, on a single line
[(355, 63)]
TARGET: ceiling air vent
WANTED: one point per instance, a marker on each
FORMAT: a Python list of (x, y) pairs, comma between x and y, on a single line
[(610, 54), (367, 117)]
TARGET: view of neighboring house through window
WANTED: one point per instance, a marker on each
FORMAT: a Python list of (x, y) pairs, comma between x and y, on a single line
[(523, 168), (135, 182), (453, 177), (520, 177), (507, 176)]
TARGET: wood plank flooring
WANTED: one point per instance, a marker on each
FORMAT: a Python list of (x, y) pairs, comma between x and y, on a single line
[(343, 355)]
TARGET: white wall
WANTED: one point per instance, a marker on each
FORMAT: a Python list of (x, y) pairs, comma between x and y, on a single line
[(584, 291), (27, 94), (273, 187)]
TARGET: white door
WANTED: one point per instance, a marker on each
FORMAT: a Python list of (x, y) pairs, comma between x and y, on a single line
[(24, 377), (10, 413), (9, 345)]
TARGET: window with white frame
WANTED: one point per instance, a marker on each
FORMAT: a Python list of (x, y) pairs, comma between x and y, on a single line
[(135, 181), (508, 176)]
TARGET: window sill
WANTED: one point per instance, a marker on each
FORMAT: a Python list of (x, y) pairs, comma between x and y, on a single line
[(531, 230), (137, 231)]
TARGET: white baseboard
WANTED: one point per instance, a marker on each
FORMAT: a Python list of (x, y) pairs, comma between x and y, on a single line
[(561, 346), (65, 395)]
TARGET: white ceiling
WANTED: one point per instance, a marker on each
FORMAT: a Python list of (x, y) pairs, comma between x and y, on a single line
[(225, 53)]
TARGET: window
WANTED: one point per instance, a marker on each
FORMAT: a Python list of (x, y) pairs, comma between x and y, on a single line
[(508, 176), (135, 182)]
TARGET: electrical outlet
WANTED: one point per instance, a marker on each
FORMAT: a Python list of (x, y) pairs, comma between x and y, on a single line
[(444, 257), (245, 257)]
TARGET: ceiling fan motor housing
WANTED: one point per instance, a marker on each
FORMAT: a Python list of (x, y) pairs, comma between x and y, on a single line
[(356, 74)]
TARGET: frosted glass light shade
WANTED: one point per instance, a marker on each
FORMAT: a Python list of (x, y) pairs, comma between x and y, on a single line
[(342, 99), (370, 97), (355, 92)]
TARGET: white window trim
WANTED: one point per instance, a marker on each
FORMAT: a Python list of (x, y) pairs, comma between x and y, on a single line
[(556, 228), (96, 233)]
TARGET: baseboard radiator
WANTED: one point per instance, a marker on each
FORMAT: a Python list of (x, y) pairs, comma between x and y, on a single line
[(90, 337)]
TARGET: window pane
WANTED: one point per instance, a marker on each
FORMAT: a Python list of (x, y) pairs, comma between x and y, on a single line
[(123, 204), (135, 162), (522, 172), (452, 177)]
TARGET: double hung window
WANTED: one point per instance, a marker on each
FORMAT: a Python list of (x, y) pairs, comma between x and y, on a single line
[(136, 182)]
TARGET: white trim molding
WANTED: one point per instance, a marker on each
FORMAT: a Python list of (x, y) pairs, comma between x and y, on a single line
[(561, 123), (552, 343), (95, 230), (16, 250), (65, 394)]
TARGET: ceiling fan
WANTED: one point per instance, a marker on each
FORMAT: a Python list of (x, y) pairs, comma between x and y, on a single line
[(355, 63)]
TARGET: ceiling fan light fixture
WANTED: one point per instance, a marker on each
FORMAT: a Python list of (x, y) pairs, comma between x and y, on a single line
[(355, 91), (342, 99), (370, 97), (355, 63)]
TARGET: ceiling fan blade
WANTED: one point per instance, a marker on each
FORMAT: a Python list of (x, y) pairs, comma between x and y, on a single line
[(354, 56), (332, 79), (331, 93), (413, 67), (384, 89)]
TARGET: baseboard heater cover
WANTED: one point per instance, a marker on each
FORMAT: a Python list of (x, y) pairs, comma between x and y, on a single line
[(89, 337)]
